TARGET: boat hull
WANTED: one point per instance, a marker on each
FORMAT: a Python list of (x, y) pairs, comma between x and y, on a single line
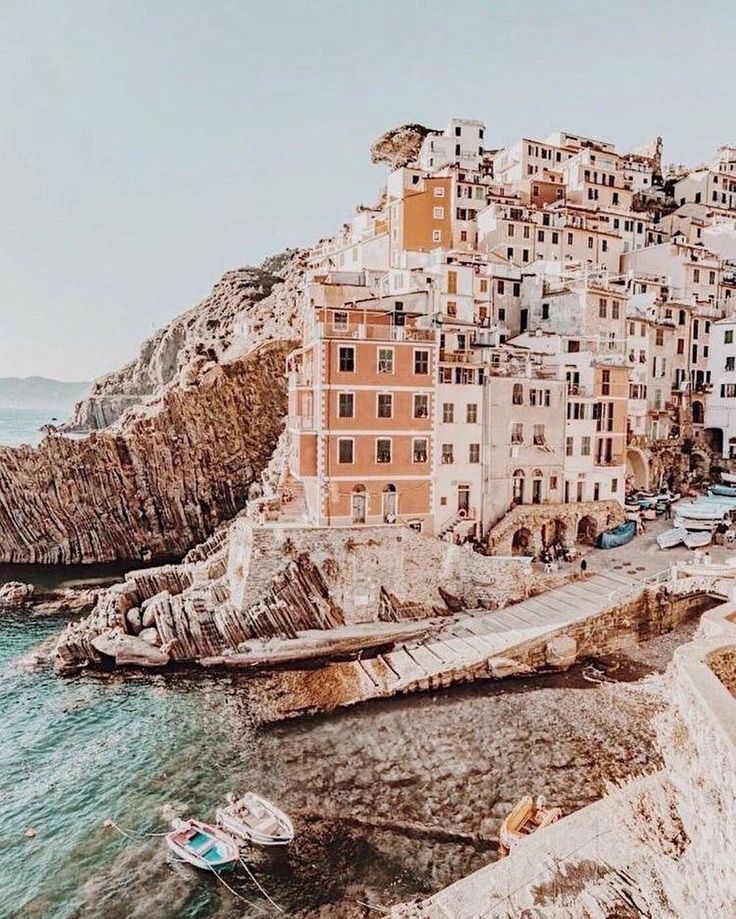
[(265, 825), (619, 536), (725, 491), (203, 846)]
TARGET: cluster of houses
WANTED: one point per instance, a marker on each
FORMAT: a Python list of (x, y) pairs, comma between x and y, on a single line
[(513, 327)]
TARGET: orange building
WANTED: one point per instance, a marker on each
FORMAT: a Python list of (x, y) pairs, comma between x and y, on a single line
[(361, 414)]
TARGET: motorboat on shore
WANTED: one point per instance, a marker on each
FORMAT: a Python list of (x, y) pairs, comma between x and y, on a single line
[(671, 538), (729, 478), (255, 819), (618, 536), (698, 539), (203, 845), (693, 523), (528, 816), (724, 491)]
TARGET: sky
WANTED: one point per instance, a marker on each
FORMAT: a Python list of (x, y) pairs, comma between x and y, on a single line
[(147, 146)]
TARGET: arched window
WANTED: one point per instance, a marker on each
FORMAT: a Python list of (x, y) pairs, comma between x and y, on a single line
[(517, 495)]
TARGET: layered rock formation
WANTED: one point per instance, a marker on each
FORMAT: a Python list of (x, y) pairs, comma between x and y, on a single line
[(209, 395)]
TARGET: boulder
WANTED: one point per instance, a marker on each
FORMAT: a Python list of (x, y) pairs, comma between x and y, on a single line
[(151, 636), (149, 614), (15, 594), (561, 652), (129, 650), (133, 618)]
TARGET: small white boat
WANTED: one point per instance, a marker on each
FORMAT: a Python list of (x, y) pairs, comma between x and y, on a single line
[(729, 478), (698, 539), (202, 845), (691, 523), (671, 538), (257, 820), (526, 818)]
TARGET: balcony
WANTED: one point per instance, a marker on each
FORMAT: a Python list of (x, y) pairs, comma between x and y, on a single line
[(457, 357), (374, 332)]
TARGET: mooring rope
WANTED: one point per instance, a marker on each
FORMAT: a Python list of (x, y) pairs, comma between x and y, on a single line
[(260, 886), (236, 894), (111, 823)]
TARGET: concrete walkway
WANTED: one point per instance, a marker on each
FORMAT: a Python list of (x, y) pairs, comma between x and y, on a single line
[(473, 645)]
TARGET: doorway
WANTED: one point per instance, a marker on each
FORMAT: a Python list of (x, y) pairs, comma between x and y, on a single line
[(358, 504)]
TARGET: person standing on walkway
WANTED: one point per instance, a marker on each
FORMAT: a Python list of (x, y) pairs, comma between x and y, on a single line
[(668, 511), (583, 567)]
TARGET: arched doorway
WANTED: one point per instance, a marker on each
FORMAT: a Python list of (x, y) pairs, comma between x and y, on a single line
[(554, 532), (587, 530), (537, 486), (698, 413), (638, 467), (390, 504), (520, 544), (358, 504), (517, 486)]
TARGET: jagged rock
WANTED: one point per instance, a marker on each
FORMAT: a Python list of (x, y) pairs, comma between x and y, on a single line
[(69, 601), (561, 652), (149, 614), (453, 603), (130, 650), (15, 595), (399, 146)]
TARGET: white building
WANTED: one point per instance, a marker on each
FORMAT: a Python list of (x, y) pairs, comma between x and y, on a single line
[(461, 142), (720, 410)]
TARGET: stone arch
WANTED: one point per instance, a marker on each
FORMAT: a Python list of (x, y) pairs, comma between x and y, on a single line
[(587, 530), (698, 412), (554, 532), (521, 542), (637, 467)]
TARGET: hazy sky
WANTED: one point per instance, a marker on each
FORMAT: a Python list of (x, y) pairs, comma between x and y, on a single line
[(147, 146)]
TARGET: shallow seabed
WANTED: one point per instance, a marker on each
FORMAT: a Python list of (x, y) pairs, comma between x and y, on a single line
[(74, 752)]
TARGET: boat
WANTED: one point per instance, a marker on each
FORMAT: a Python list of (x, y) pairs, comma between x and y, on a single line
[(671, 538), (526, 818), (618, 536), (202, 845), (698, 539), (257, 820), (703, 510), (691, 523), (729, 478), (726, 491)]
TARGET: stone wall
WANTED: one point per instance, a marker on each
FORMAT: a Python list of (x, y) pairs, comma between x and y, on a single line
[(358, 563), (544, 524)]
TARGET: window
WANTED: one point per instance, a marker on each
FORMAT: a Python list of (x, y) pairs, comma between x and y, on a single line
[(436, 236), (517, 396), (473, 453), (385, 360), (484, 286), (615, 309), (517, 433), (439, 191), (728, 337), (471, 413), (419, 450), (569, 239), (602, 307), (447, 454), (345, 450), (590, 242), (340, 321), (385, 408), (345, 405), (510, 229), (501, 287), (680, 345), (452, 282), (539, 438), (451, 308), (421, 362), (383, 450), (614, 485), (421, 405), (730, 363), (696, 275), (346, 359), (540, 236), (585, 446), (448, 412), (438, 213)]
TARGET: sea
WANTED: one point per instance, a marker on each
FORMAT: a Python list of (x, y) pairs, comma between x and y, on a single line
[(21, 425), (97, 765)]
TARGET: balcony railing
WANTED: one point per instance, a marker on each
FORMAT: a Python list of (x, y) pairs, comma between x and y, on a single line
[(374, 332)]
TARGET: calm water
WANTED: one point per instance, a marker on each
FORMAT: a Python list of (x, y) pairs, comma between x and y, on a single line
[(74, 752), (20, 425)]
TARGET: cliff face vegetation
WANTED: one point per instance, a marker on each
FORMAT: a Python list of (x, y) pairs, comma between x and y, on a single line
[(202, 410)]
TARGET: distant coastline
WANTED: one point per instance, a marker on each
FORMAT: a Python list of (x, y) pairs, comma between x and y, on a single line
[(21, 425)]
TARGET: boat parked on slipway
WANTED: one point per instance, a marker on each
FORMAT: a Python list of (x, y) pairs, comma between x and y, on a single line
[(257, 820), (202, 845), (526, 818)]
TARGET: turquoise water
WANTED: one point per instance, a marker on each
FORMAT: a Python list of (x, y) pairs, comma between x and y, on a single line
[(20, 425)]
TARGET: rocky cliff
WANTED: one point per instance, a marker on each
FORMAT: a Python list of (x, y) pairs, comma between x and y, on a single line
[(399, 146), (202, 410)]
